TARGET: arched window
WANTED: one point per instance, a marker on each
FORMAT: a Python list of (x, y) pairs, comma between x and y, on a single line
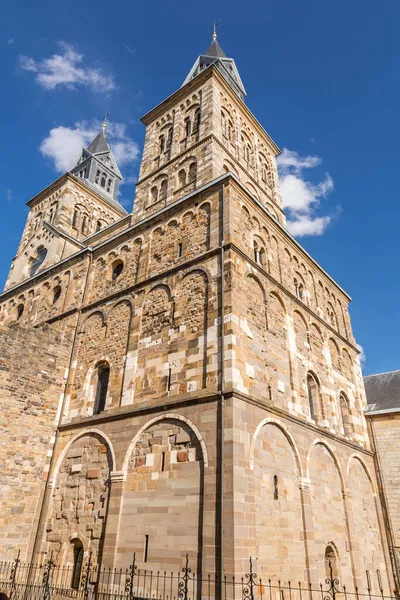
[(230, 131), (154, 193), (117, 268), (84, 222), (56, 294), (109, 185), (196, 121), (182, 177), (331, 562), (38, 260), (38, 218), (345, 415), (20, 311), (223, 125), (246, 153), (313, 396), (192, 172), (78, 561), (163, 189), (75, 219), (98, 225), (169, 138), (187, 127), (299, 289), (103, 376), (97, 180), (161, 143)]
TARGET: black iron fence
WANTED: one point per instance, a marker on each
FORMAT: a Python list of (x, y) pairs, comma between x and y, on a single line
[(29, 581)]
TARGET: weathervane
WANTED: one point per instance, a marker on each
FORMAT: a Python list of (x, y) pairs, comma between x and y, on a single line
[(105, 120), (214, 29)]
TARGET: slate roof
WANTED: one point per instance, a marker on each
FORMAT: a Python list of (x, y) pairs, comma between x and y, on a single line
[(214, 55), (100, 143), (383, 392), (215, 49)]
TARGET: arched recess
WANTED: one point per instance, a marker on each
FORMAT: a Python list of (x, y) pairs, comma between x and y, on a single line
[(164, 468), (100, 334), (80, 491), (367, 543), (152, 373), (328, 510), (191, 319), (254, 337), (278, 519)]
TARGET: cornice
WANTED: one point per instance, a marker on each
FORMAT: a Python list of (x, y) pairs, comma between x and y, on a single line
[(165, 405), (215, 182)]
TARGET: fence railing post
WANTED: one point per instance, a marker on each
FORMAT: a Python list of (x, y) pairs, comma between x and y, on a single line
[(86, 577), (13, 575), (131, 577), (183, 584), (333, 583), (47, 578), (248, 587)]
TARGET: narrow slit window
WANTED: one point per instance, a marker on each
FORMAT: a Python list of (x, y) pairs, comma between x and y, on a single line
[(146, 548), (180, 247), (276, 491), (103, 376), (78, 560)]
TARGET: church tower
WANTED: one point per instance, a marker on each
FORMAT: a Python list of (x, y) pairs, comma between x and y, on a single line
[(212, 401), (63, 215)]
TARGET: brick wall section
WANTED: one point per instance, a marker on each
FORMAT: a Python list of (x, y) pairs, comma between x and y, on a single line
[(33, 366)]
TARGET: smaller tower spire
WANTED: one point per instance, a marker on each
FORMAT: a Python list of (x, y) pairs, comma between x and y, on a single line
[(107, 114), (214, 29)]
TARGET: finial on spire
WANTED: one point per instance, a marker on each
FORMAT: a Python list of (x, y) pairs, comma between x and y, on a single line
[(214, 29), (105, 120)]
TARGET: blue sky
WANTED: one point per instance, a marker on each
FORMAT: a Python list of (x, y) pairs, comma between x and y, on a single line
[(323, 78)]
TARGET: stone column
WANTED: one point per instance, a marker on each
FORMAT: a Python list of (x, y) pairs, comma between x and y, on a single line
[(109, 557), (308, 529)]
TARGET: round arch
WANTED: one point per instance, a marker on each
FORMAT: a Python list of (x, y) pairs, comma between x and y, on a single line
[(90, 431), (289, 437), (174, 416), (356, 456), (321, 442)]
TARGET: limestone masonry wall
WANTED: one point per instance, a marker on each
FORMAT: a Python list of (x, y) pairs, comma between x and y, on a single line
[(33, 369)]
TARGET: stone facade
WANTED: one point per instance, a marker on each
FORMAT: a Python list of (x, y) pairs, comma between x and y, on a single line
[(214, 401), (33, 372)]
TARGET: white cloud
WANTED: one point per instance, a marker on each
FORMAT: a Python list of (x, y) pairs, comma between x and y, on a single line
[(64, 144), (67, 69), (362, 356), (8, 195), (300, 197)]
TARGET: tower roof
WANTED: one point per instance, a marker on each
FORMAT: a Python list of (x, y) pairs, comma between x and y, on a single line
[(100, 143), (214, 55), (215, 49), (98, 169)]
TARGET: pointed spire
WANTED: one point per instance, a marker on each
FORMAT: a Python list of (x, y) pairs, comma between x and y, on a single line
[(107, 114), (214, 55), (97, 166)]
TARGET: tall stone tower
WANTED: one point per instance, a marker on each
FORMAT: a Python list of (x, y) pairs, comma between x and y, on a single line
[(213, 402)]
